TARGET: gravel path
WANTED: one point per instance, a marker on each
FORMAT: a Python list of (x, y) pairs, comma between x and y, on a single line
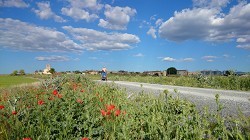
[(232, 101)]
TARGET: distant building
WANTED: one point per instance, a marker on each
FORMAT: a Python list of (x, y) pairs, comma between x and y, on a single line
[(212, 73), (47, 69), (182, 72), (153, 73), (92, 72)]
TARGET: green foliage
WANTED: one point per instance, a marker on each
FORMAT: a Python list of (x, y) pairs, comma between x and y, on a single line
[(231, 82), (171, 71), (14, 73), (21, 72), (73, 107), (52, 70)]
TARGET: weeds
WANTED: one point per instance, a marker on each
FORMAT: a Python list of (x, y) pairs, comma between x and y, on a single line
[(76, 108)]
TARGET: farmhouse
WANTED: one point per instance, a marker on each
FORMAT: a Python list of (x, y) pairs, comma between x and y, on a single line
[(182, 72)]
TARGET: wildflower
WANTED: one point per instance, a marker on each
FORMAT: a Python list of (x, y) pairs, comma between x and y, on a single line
[(14, 112), (117, 112), (85, 138), (108, 113), (40, 102), (79, 101), (103, 112), (27, 139), (1, 107), (55, 92), (82, 90), (110, 107)]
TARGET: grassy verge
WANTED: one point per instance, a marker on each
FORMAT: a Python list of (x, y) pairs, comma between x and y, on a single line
[(218, 82), (7, 80), (75, 108)]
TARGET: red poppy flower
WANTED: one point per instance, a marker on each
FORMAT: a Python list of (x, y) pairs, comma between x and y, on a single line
[(79, 101), (27, 139), (117, 112), (82, 90), (108, 113), (55, 92), (14, 112), (110, 107), (1, 107), (103, 112), (85, 138), (40, 102)]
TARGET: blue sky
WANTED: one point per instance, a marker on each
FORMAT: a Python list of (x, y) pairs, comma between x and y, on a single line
[(132, 35)]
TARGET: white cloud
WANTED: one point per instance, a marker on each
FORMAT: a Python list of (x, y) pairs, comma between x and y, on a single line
[(13, 3), (52, 58), (170, 59), (209, 57), (245, 46), (188, 59), (151, 32), (208, 24), (18, 35), (44, 12), (82, 9), (210, 3), (117, 17), (138, 55), (96, 40), (158, 22)]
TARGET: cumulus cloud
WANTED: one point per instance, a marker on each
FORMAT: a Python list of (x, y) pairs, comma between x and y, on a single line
[(170, 59), (138, 55), (209, 24), (13, 3), (151, 32), (96, 40), (117, 17), (82, 9), (52, 58), (44, 12), (209, 58), (18, 35)]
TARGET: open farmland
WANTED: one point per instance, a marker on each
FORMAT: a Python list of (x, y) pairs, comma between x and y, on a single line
[(74, 107), (7, 81)]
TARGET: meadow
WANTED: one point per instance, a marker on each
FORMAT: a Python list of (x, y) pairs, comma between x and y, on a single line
[(7, 80), (231, 82), (73, 107)]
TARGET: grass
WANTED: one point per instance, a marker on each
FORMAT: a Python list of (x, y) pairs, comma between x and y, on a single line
[(76, 108), (217, 82), (7, 80)]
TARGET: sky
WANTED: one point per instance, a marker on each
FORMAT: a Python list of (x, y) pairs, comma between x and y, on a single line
[(131, 35)]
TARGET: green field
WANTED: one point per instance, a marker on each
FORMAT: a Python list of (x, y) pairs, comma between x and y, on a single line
[(7, 81)]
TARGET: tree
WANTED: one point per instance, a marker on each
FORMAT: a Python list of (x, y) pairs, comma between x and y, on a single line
[(14, 73), (52, 70), (21, 72), (171, 70)]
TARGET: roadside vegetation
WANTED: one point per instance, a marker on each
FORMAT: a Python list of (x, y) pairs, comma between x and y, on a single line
[(230, 82), (73, 107)]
